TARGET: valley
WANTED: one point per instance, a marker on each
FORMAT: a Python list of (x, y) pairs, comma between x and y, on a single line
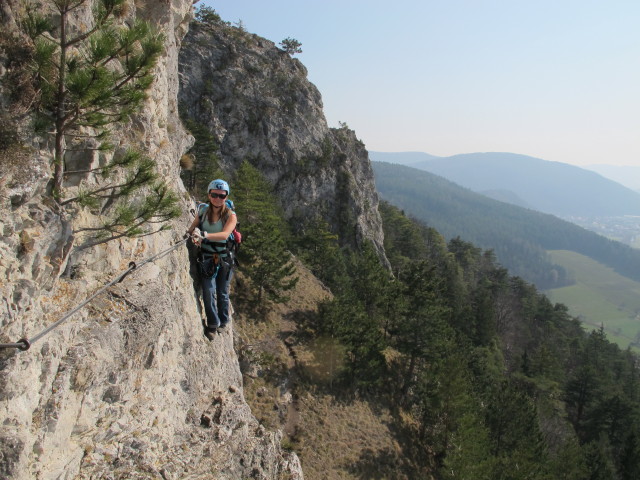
[(594, 275), (600, 297), (624, 228)]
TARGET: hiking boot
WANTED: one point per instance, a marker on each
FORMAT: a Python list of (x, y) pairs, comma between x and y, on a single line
[(210, 333), (222, 327)]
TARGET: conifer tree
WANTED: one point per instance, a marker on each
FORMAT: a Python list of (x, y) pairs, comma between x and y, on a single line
[(420, 332), (359, 315), (203, 159), (468, 456), (441, 398), (515, 434), (90, 79), (360, 333), (207, 15), (599, 461), (291, 46), (630, 457), (319, 249), (371, 283), (403, 240), (570, 462), (265, 257)]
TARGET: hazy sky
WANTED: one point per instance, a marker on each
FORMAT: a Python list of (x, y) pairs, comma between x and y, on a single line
[(558, 80)]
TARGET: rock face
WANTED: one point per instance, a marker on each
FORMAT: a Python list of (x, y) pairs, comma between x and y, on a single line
[(258, 104), (129, 387)]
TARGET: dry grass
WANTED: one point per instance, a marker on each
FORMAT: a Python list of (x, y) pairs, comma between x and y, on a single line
[(347, 440), (289, 385)]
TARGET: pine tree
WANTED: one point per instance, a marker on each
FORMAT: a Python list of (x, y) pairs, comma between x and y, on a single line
[(420, 332), (442, 396), (291, 46), (515, 435), (359, 313), (371, 283), (569, 462), (133, 219), (630, 457), (599, 460), (203, 159), (207, 15), (91, 79), (318, 248), (360, 333), (468, 456), (264, 256)]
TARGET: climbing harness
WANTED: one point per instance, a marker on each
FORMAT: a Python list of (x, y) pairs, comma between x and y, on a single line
[(232, 247), (25, 343), (209, 265)]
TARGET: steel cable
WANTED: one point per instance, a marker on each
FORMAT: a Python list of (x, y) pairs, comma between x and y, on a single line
[(25, 343)]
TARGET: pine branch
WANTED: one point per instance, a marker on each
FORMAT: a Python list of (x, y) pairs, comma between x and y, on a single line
[(139, 179), (115, 237)]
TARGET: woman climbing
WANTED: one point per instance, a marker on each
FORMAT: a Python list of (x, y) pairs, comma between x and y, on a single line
[(210, 230)]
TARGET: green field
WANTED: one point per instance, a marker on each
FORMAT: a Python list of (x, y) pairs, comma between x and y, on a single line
[(600, 296)]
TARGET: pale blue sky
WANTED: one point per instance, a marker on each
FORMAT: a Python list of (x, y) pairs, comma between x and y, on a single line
[(558, 80)]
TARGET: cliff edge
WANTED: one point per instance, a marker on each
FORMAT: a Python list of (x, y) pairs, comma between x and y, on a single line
[(258, 105), (128, 387)]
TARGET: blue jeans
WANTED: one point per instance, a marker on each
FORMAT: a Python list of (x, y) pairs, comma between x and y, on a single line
[(215, 296)]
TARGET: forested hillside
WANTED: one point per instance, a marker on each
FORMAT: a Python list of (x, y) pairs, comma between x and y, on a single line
[(479, 376), (519, 237), (481, 373), (475, 373), (551, 187)]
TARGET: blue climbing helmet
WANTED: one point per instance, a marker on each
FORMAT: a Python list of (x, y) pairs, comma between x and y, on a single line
[(219, 184)]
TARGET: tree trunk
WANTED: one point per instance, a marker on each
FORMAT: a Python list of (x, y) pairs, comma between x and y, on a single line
[(58, 160), (406, 384)]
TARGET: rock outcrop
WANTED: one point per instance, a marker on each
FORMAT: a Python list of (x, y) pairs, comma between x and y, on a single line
[(259, 105), (128, 387)]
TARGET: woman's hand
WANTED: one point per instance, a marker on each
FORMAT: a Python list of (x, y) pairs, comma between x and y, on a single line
[(197, 236)]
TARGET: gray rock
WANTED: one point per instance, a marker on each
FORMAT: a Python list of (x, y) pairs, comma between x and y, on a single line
[(117, 391), (11, 447), (258, 104)]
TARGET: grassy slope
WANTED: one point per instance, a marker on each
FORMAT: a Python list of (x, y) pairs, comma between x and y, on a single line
[(288, 385), (519, 237), (600, 297), (350, 439)]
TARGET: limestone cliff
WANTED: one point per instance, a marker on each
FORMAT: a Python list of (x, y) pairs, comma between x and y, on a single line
[(259, 105), (128, 387)]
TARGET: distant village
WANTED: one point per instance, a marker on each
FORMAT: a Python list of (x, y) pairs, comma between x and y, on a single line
[(625, 229)]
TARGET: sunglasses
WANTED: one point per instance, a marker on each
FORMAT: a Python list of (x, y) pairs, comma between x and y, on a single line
[(218, 195)]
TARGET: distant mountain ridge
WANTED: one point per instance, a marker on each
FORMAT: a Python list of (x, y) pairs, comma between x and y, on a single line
[(520, 237), (627, 175), (551, 187), (403, 158)]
